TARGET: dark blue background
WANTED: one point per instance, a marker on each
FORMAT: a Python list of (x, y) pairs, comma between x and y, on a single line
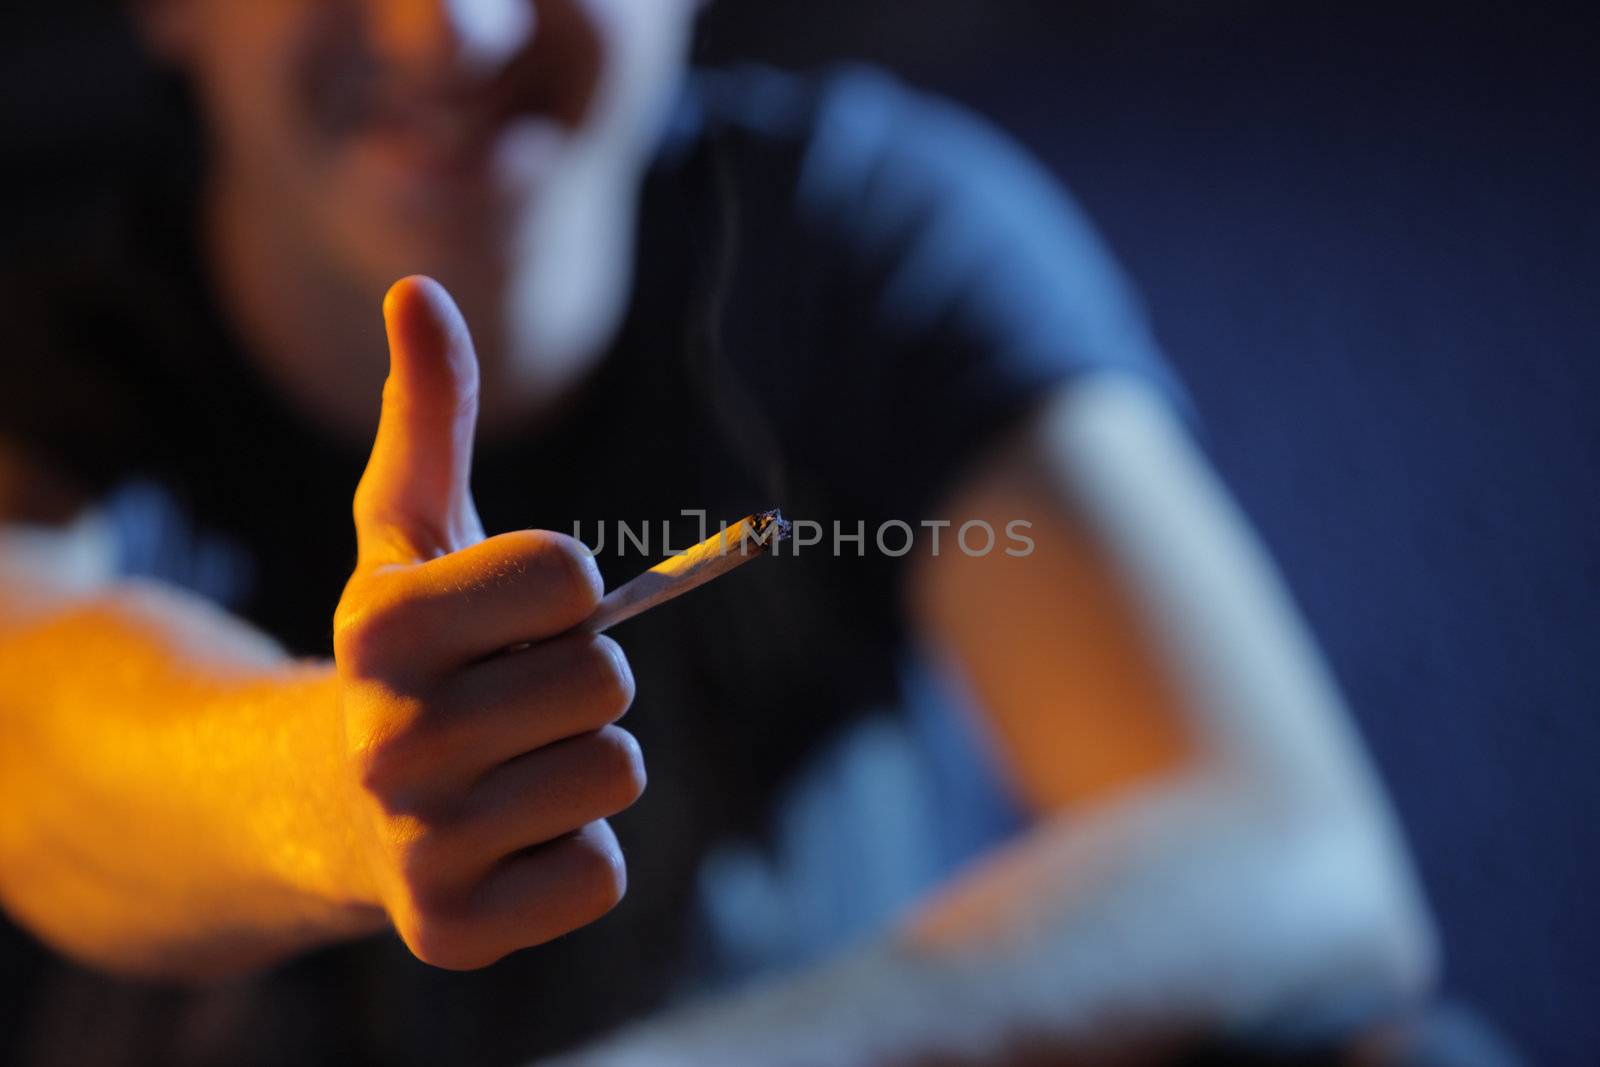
[(1368, 238)]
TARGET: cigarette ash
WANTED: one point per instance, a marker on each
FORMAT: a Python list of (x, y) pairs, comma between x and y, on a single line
[(773, 520)]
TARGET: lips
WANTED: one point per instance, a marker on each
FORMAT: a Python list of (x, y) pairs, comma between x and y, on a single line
[(432, 136), (451, 130), (455, 158)]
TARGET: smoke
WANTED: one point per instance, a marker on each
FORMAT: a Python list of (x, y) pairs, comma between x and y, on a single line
[(735, 409)]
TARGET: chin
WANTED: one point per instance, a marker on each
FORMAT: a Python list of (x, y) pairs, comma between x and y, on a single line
[(420, 214), (466, 239)]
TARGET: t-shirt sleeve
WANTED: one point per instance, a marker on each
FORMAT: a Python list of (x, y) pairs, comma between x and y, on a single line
[(957, 283)]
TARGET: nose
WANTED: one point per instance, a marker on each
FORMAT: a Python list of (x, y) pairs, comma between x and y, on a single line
[(440, 38)]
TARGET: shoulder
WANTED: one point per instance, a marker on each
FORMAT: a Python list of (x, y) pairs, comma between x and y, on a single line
[(861, 140), (891, 259), (928, 201), (848, 112)]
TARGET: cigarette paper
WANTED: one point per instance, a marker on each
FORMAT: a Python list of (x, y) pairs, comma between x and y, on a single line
[(752, 536)]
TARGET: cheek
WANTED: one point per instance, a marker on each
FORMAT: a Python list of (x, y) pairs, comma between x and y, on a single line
[(271, 74)]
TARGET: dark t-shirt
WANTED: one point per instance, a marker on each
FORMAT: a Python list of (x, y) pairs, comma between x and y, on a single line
[(844, 291)]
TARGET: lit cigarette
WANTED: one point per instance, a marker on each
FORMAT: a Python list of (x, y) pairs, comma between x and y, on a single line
[(752, 536)]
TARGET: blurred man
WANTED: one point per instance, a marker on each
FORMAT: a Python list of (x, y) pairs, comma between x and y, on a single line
[(703, 293)]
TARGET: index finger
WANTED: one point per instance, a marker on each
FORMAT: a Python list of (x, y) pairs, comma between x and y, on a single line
[(513, 588)]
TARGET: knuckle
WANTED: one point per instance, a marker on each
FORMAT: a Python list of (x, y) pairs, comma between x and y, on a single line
[(607, 678), (370, 634), (378, 771), (444, 939), (384, 761), (421, 859), (620, 766), (364, 504), (573, 577), (600, 879), (380, 766), (355, 645)]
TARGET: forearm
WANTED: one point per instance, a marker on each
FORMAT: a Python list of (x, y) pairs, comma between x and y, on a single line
[(167, 785), (1172, 917)]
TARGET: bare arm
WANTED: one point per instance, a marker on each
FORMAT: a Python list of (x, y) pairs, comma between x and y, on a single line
[(179, 798), (168, 789), (1210, 852)]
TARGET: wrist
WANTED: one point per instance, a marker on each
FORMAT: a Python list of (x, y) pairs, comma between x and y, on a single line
[(313, 835)]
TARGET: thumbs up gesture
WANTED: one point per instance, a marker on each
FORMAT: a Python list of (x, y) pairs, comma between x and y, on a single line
[(481, 777)]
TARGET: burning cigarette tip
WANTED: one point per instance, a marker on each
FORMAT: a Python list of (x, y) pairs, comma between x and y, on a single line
[(773, 520)]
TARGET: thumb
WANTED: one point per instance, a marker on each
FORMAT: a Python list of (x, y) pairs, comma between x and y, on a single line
[(414, 501)]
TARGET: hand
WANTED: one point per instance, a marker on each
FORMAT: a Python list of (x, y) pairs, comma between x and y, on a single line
[(481, 777)]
